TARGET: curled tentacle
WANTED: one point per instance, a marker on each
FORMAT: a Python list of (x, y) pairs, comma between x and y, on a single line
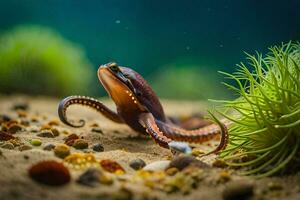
[(85, 101)]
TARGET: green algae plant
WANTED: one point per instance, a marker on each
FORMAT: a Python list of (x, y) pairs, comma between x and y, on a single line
[(37, 60), (264, 137)]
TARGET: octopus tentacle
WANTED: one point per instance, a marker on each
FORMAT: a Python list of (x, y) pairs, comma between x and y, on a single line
[(86, 101), (192, 136), (148, 122)]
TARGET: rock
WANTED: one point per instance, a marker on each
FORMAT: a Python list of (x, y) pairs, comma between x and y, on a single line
[(224, 176), (196, 152), (20, 106), (182, 162), (112, 166), (275, 186), (97, 130), (80, 144), (50, 173), (36, 142), (219, 163), (69, 140), (181, 147), (157, 166), (4, 118), (49, 147), (5, 136), (46, 133), (7, 145), (14, 128), (137, 164), (171, 171), (90, 177), (98, 147), (55, 132), (238, 190), (61, 150), (53, 122), (24, 147)]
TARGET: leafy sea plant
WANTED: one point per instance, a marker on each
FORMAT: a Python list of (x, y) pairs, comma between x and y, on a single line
[(264, 137), (37, 60)]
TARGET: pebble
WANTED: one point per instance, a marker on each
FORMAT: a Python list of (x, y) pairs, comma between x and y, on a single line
[(61, 150), (112, 166), (49, 147), (8, 145), (90, 177), (238, 190), (46, 133), (181, 147), (80, 144), (219, 164), (181, 162), (137, 164), (98, 147), (275, 186), (224, 176), (97, 130), (5, 136), (172, 171), (50, 172), (70, 139), (196, 152), (36, 142), (24, 147), (20, 106), (4, 118), (14, 128), (55, 132), (157, 166)]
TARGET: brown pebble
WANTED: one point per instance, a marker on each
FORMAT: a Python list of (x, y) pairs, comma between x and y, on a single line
[(53, 123), (5, 136), (97, 130), (171, 171), (112, 166), (238, 190), (80, 144), (7, 145), (50, 173), (61, 150), (182, 162), (46, 133), (70, 139), (24, 147), (219, 164), (14, 128)]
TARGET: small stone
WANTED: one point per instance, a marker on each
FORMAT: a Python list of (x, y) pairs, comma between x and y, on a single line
[(4, 118), (219, 164), (8, 145), (49, 147), (112, 166), (55, 132), (196, 152), (46, 133), (172, 171), (182, 162), (80, 144), (53, 123), (25, 147), (98, 147), (238, 190), (157, 166), (22, 113), (181, 147), (36, 142), (137, 164), (14, 128), (61, 150), (20, 106), (90, 177), (5, 136), (25, 122), (224, 176), (97, 130), (70, 139), (50, 172)]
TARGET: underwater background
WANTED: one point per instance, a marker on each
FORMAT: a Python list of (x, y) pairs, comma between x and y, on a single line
[(54, 47)]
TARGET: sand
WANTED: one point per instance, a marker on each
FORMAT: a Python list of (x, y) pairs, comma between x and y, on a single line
[(122, 145)]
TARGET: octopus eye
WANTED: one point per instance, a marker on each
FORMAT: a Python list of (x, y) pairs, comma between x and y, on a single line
[(138, 93), (114, 68)]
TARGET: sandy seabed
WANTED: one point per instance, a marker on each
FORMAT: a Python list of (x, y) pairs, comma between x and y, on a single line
[(122, 145)]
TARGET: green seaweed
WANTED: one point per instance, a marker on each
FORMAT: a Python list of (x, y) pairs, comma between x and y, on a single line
[(264, 136), (37, 60)]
